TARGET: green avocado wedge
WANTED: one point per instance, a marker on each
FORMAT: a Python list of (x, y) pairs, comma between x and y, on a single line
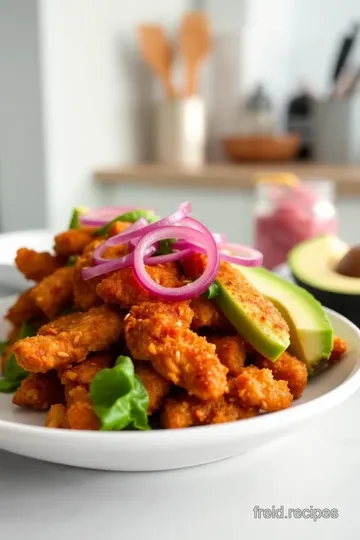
[(252, 314), (311, 333)]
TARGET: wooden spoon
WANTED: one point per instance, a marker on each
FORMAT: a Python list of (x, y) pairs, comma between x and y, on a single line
[(195, 42), (157, 52)]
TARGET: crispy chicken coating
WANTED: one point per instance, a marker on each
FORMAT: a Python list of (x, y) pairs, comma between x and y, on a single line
[(80, 413), (208, 315), (123, 288), (118, 227), (156, 386), (231, 352), (84, 372), (287, 368), (339, 349), (24, 309), (70, 339), (39, 391), (57, 417), (186, 411), (194, 265), (36, 266), (85, 295), (177, 353), (257, 388), (54, 292), (73, 241)]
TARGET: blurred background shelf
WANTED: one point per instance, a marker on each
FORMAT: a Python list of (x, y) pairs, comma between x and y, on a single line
[(226, 176)]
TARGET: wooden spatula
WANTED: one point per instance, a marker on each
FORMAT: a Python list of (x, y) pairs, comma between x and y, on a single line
[(195, 42), (157, 52)]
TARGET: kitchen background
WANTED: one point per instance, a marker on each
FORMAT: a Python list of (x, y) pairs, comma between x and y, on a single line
[(77, 101)]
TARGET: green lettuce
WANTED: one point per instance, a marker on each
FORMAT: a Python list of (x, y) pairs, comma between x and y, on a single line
[(14, 373), (129, 217), (119, 397)]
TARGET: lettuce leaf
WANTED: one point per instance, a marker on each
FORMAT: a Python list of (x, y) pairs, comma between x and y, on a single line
[(119, 397), (14, 373), (129, 217)]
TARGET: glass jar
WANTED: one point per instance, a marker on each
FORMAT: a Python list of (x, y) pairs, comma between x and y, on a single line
[(285, 215)]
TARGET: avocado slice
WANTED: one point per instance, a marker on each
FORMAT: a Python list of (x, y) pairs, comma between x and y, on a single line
[(254, 317), (311, 333), (313, 264)]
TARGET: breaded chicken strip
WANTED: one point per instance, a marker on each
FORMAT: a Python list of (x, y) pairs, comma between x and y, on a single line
[(57, 417), (36, 266), (287, 368), (73, 241), (257, 388), (83, 373), (39, 391), (339, 349), (186, 411), (85, 295), (208, 315), (54, 292), (231, 352), (156, 386), (70, 339), (177, 353), (24, 309), (80, 413), (194, 265), (123, 288), (118, 227)]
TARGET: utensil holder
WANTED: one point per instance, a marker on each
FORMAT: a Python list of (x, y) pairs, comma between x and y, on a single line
[(180, 132), (337, 131)]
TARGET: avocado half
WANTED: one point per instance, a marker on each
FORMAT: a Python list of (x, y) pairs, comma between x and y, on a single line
[(313, 265)]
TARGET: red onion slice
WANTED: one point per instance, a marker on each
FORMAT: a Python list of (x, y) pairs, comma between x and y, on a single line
[(190, 290), (247, 256), (183, 210)]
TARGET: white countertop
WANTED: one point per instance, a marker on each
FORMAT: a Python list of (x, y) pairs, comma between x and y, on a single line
[(318, 466)]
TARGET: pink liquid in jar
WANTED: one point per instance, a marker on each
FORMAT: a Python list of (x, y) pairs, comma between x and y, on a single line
[(285, 216)]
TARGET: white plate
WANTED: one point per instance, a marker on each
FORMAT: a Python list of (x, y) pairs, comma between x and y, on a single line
[(11, 281), (22, 431)]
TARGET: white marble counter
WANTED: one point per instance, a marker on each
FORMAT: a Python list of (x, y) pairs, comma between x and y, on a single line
[(318, 466)]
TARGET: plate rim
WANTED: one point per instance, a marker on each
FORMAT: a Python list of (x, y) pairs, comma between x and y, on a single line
[(201, 434)]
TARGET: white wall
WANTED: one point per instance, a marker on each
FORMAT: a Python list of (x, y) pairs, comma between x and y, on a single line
[(288, 42), (96, 92), (22, 181)]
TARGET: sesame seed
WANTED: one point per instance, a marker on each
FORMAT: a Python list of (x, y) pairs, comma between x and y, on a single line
[(63, 354), (177, 355), (152, 348), (126, 316), (76, 339)]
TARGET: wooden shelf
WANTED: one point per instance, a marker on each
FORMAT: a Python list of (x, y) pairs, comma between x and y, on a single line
[(227, 176)]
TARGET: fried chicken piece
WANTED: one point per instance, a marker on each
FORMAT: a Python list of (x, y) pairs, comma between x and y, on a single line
[(70, 339), (39, 391), (54, 292), (123, 288), (85, 295), (287, 368), (80, 413), (208, 315), (84, 372), (36, 266), (194, 265), (177, 353), (156, 386), (186, 411), (24, 309), (57, 417), (231, 352), (13, 334), (73, 241), (257, 388), (118, 227), (338, 350)]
